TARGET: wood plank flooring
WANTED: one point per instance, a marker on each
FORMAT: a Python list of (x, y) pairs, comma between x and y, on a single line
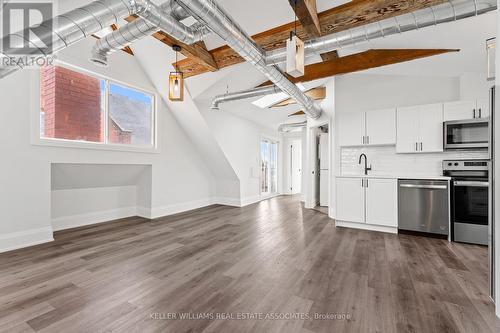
[(273, 258)]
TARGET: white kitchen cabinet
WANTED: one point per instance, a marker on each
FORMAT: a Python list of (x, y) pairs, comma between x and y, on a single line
[(431, 128), (377, 127), (381, 127), (381, 202), (462, 110), (350, 200), (483, 108), (407, 129), (459, 110), (351, 128), (420, 129)]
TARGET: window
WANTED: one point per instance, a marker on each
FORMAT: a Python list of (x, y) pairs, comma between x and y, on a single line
[(269, 164), (80, 107)]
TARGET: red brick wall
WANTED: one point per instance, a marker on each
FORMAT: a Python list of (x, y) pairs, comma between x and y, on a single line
[(72, 105), (117, 135)]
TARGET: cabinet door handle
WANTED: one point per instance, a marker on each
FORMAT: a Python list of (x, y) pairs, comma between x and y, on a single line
[(421, 146), (362, 182), (479, 113), (368, 139), (366, 183), (416, 146), (474, 113), (363, 139)]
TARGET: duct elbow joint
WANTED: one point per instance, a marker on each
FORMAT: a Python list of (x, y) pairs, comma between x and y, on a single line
[(99, 58), (139, 6)]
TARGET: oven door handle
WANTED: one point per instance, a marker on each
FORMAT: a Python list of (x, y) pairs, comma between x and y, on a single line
[(470, 183)]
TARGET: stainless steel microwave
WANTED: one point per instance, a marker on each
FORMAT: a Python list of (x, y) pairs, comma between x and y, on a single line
[(466, 134)]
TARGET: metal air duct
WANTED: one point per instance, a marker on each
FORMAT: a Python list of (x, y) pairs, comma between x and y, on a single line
[(153, 19), (69, 28), (214, 17), (287, 127), (256, 92), (449, 11)]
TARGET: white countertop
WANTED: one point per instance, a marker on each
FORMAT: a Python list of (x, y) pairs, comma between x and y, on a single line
[(395, 177)]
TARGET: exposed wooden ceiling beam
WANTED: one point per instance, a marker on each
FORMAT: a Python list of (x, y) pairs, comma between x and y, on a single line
[(362, 61), (349, 15), (308, 16), (197, 52), (329, 55), (298, 113), (315, 93)]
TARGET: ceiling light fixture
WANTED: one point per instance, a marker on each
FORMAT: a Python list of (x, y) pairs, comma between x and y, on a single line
[(295, 57), (176, 80)]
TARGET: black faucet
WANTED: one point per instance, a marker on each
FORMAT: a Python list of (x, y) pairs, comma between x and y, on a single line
[(366, 161)]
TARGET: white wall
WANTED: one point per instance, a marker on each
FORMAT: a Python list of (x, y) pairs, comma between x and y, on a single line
[(180, 179), (240, 141), (362, 92)]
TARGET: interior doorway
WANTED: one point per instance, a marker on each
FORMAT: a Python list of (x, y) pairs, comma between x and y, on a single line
[(269, 167), (319, 163), (295, 159)]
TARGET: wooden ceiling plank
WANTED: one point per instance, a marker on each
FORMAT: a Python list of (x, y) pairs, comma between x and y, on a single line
[(298, 113), (315, 93), (197, 52), (349, 15), (363, 61), (308, 16)]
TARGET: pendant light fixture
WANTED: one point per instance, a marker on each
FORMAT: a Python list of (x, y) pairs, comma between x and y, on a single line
[(295, 52), (176, 80)]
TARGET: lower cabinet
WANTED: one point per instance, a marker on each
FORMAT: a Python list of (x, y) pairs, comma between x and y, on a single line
[(382, 202), (350, 200), (367, 200)]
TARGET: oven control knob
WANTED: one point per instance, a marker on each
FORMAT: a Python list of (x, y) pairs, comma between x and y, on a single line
[(449, 164), (456, 164)]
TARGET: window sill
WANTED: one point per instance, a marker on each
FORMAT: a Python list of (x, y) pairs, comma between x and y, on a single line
[(61, 143)]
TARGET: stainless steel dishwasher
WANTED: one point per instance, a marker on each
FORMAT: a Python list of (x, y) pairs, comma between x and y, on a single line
[(424, 206)]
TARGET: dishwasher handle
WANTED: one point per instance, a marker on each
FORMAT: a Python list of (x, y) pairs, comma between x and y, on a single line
[(428, 187)]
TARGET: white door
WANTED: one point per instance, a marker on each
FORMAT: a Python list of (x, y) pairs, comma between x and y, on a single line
[(382, 202), (483, 108), (381, 127), (407, 129), (323, 187), (431, 128), (459, 110), (350, 200), (296, 167), (323, 151), (351, 127)]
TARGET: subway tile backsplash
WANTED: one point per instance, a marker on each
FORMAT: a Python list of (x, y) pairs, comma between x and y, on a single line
[(385, 161)]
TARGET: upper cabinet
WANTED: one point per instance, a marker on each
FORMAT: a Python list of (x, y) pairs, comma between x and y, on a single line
[(462, 110), (420, 129), (377, 127), (351, 127)]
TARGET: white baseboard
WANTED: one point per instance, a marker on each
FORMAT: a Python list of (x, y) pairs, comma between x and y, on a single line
[(251, 200), (17, 240), (74, 221), (157, 212), (235, 202), (364, 226), (144, 212)]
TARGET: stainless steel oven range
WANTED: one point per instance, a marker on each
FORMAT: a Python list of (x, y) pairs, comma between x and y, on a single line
[(469, 200)]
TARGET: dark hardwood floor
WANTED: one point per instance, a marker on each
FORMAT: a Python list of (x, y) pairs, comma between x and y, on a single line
[(273, 258)]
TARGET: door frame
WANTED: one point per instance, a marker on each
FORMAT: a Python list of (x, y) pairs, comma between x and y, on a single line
[(310, 188), (271, 141)]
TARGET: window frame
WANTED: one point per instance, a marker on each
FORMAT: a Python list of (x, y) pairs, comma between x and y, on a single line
[(105, 145)]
